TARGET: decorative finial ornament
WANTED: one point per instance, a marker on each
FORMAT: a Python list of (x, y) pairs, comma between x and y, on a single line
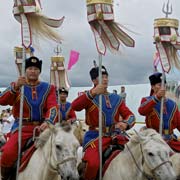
[(167, 39), (58, 73), (18, 54), (34, 23), (168, 9), (94, 62), (58, 50), (107, 33)]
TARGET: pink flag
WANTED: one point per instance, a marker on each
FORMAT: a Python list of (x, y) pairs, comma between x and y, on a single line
[(74, 56)]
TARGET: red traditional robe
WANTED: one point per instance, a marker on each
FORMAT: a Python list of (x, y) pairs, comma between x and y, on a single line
[(39, 105), (113, 107), (150, 107), (66, 112)]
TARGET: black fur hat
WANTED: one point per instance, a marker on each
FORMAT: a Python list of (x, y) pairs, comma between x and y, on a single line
[(33, 61), (155, 78), (63, 90), (94, 72)]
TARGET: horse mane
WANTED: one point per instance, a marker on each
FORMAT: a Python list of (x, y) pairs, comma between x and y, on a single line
[(153, 134), (42, 139), (44, 136), (66, 126), (146, 134)]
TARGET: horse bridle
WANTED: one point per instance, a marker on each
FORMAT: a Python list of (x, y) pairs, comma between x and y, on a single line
[(58, 163), (147, 176)]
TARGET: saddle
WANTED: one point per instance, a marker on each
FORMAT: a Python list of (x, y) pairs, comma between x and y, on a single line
[(27, 152), (111, 147), (110, 150), (108, 155)]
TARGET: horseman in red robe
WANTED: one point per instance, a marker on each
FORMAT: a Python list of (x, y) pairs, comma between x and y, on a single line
[(66, 112), (113, 107), (39, 109), (151, 106)]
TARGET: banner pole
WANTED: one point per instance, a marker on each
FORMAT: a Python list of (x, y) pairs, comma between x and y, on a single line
[(21, 114), (100, 115), (162, 104)]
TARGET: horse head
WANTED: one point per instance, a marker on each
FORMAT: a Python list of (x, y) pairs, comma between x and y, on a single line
[(175, 158), (155, 156), (66, 146), (62, 147)]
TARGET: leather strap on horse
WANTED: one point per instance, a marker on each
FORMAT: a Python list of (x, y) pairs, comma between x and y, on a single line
[(147, 176)]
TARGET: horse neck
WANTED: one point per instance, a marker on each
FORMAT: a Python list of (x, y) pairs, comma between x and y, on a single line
[(125, 162), (135, 155), (47, 154), (175, 158)]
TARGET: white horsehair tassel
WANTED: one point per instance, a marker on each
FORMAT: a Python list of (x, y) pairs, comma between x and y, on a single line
[(101, 18)]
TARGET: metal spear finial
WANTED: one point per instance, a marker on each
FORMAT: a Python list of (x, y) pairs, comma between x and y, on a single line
[(94, 62), (168, 10), (58, 50)]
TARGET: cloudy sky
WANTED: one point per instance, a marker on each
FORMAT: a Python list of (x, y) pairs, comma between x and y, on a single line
[(132, 66)]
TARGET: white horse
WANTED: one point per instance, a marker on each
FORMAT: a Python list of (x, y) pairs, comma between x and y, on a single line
[(55, 157), (2, 138), (146, 156), (80, 129), (175, 158)]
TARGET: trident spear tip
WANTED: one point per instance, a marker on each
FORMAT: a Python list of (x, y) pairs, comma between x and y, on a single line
[(94, 62), (57, 50), (168, 9)]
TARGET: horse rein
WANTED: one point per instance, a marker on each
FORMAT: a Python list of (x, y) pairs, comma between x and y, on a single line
[(58, 163), (147, 176)]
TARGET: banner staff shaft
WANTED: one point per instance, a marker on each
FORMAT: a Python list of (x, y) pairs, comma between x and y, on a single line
[(162, 104), (21, 114), (58, 96), (100, 119), (167, 12)]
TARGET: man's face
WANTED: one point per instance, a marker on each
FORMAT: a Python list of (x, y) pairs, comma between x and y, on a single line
[(32, 73), (122, 89), (63, 96), (105, 80), (156, 87)]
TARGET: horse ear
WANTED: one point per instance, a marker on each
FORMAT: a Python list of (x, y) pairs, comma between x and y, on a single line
[(74, 125)]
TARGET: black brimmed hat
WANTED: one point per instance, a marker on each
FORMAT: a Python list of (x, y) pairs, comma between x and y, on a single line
[(63, 90), (155, 78), (94, 72), (33, 61)]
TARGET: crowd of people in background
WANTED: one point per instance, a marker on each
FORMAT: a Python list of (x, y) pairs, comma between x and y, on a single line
[(122, 93), (7, 120)]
